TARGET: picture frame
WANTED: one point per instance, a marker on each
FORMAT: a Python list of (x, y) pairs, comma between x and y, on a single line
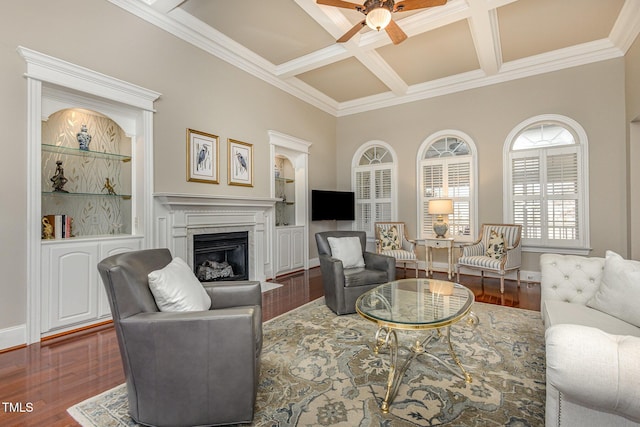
[(203, 153), (240, 163)]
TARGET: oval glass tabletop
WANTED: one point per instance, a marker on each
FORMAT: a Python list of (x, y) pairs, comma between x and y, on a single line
[(416, 303)]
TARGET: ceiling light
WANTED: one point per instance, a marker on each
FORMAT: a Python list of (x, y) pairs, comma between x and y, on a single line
[(378, 18)]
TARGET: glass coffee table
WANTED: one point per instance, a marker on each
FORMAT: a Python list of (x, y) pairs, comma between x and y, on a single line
[(416, 304)]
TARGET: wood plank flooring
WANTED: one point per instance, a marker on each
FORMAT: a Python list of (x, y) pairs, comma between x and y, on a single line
[(39, 382)]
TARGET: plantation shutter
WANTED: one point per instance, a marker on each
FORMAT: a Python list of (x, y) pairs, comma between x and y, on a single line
[(363, 200), (433, 187), (459, 189), (526, 192), (548, 188), (562, 196), (383, 195), (448, 178), (374, 195)]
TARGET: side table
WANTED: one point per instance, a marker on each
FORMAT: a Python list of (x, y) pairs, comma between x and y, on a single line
[(432, 243)]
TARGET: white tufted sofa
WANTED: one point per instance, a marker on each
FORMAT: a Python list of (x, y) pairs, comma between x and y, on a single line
[(593, 359)]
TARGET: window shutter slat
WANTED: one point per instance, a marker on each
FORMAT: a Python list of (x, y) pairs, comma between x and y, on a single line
[(562, 174), (525, 176)]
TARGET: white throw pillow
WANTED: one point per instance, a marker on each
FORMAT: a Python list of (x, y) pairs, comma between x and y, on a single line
[(619, 291), (176, 288), (348, 250)]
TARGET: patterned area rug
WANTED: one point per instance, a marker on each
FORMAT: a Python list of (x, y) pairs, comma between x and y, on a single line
[(318, 370)]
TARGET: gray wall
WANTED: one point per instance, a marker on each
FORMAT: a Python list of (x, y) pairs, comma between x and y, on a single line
[(632, 97), (198, 91), (592, 94)]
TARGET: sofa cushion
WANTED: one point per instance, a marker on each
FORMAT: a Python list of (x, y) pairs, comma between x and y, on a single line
[(348, 250), (619, 290), (176, 288), (559, 312), (354, 277)]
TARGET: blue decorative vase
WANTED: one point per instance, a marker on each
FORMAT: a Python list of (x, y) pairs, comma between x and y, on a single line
[(84, 139)]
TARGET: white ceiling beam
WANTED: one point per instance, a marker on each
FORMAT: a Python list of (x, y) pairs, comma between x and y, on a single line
[(383, 71), (313, 60), (483, 23), (164, 6), (627, 26)]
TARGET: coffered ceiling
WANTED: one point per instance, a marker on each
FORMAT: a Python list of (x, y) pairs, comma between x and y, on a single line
[(461, 45)]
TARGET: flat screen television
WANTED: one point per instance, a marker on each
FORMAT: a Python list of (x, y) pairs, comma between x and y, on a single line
[(333, 205)]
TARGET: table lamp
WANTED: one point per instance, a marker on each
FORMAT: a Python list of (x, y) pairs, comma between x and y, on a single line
[(440, 207)]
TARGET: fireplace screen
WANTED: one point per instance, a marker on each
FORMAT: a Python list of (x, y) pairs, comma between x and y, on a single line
[(221, 256)]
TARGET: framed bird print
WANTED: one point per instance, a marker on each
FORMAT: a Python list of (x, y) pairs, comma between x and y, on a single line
[(240, 165), (202, 157)]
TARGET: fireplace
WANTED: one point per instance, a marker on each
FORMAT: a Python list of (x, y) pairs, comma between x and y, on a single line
[(221, 256)]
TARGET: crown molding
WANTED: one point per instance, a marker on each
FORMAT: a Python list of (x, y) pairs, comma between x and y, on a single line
[(586, 53), (627, 26), (195, 32), (216, 45)]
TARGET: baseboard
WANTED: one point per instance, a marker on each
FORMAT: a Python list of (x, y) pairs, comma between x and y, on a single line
[(13, 337), (314, 262)]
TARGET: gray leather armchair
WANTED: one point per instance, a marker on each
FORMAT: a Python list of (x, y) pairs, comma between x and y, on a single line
[(343, 286), (184, 369)]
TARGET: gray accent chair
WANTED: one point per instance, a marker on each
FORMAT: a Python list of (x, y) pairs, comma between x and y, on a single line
[(342, 287), (184, 369)]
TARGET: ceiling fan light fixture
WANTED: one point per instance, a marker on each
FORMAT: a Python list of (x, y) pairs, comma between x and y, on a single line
[(378, 18)]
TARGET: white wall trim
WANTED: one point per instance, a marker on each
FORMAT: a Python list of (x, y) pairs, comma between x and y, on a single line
[(13, 336)]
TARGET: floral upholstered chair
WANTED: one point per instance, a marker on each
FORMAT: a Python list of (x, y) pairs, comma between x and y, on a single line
[(391, 240), (498, 250)]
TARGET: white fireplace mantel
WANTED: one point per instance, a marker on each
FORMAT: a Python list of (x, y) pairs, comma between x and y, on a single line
[(178, 217)]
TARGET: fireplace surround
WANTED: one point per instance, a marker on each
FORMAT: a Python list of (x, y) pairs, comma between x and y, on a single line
[(181, 217)]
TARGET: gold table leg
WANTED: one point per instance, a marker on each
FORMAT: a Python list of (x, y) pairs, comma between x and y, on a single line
[(387, 337)]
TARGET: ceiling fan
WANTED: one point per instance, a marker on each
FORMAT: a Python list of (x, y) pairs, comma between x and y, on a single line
[(378, 15)]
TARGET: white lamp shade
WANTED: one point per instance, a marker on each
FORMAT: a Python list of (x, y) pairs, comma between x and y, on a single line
[(378, 18), (440, 206)]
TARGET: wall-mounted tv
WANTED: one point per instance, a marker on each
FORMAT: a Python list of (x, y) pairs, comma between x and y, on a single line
[(333, 205)]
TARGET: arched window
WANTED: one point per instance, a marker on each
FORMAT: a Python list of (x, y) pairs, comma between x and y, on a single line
[(447, 169), (546, 186), (374, 184)]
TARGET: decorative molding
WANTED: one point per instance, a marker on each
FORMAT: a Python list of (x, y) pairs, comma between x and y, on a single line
[(52, 70), (288, 141), (181, 201), (13, 336), (485, 33), (180, 216), (627, 26)]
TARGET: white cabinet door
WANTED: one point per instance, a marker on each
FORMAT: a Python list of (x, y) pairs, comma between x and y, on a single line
[(290, 250), (297, 243), (107, 249), (72, 279), (283, 236)]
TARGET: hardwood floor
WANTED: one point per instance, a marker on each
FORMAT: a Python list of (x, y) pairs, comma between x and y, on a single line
[(39, 382)]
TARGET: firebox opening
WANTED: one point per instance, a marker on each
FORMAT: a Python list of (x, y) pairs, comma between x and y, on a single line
[(221, 256)]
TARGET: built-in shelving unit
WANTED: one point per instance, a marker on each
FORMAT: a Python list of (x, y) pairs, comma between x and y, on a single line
[(290, 187), (109, 217)]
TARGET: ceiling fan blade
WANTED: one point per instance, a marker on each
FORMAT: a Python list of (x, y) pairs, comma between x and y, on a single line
[(403, 6), (340, 3), (395, 33), (352, 32)]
